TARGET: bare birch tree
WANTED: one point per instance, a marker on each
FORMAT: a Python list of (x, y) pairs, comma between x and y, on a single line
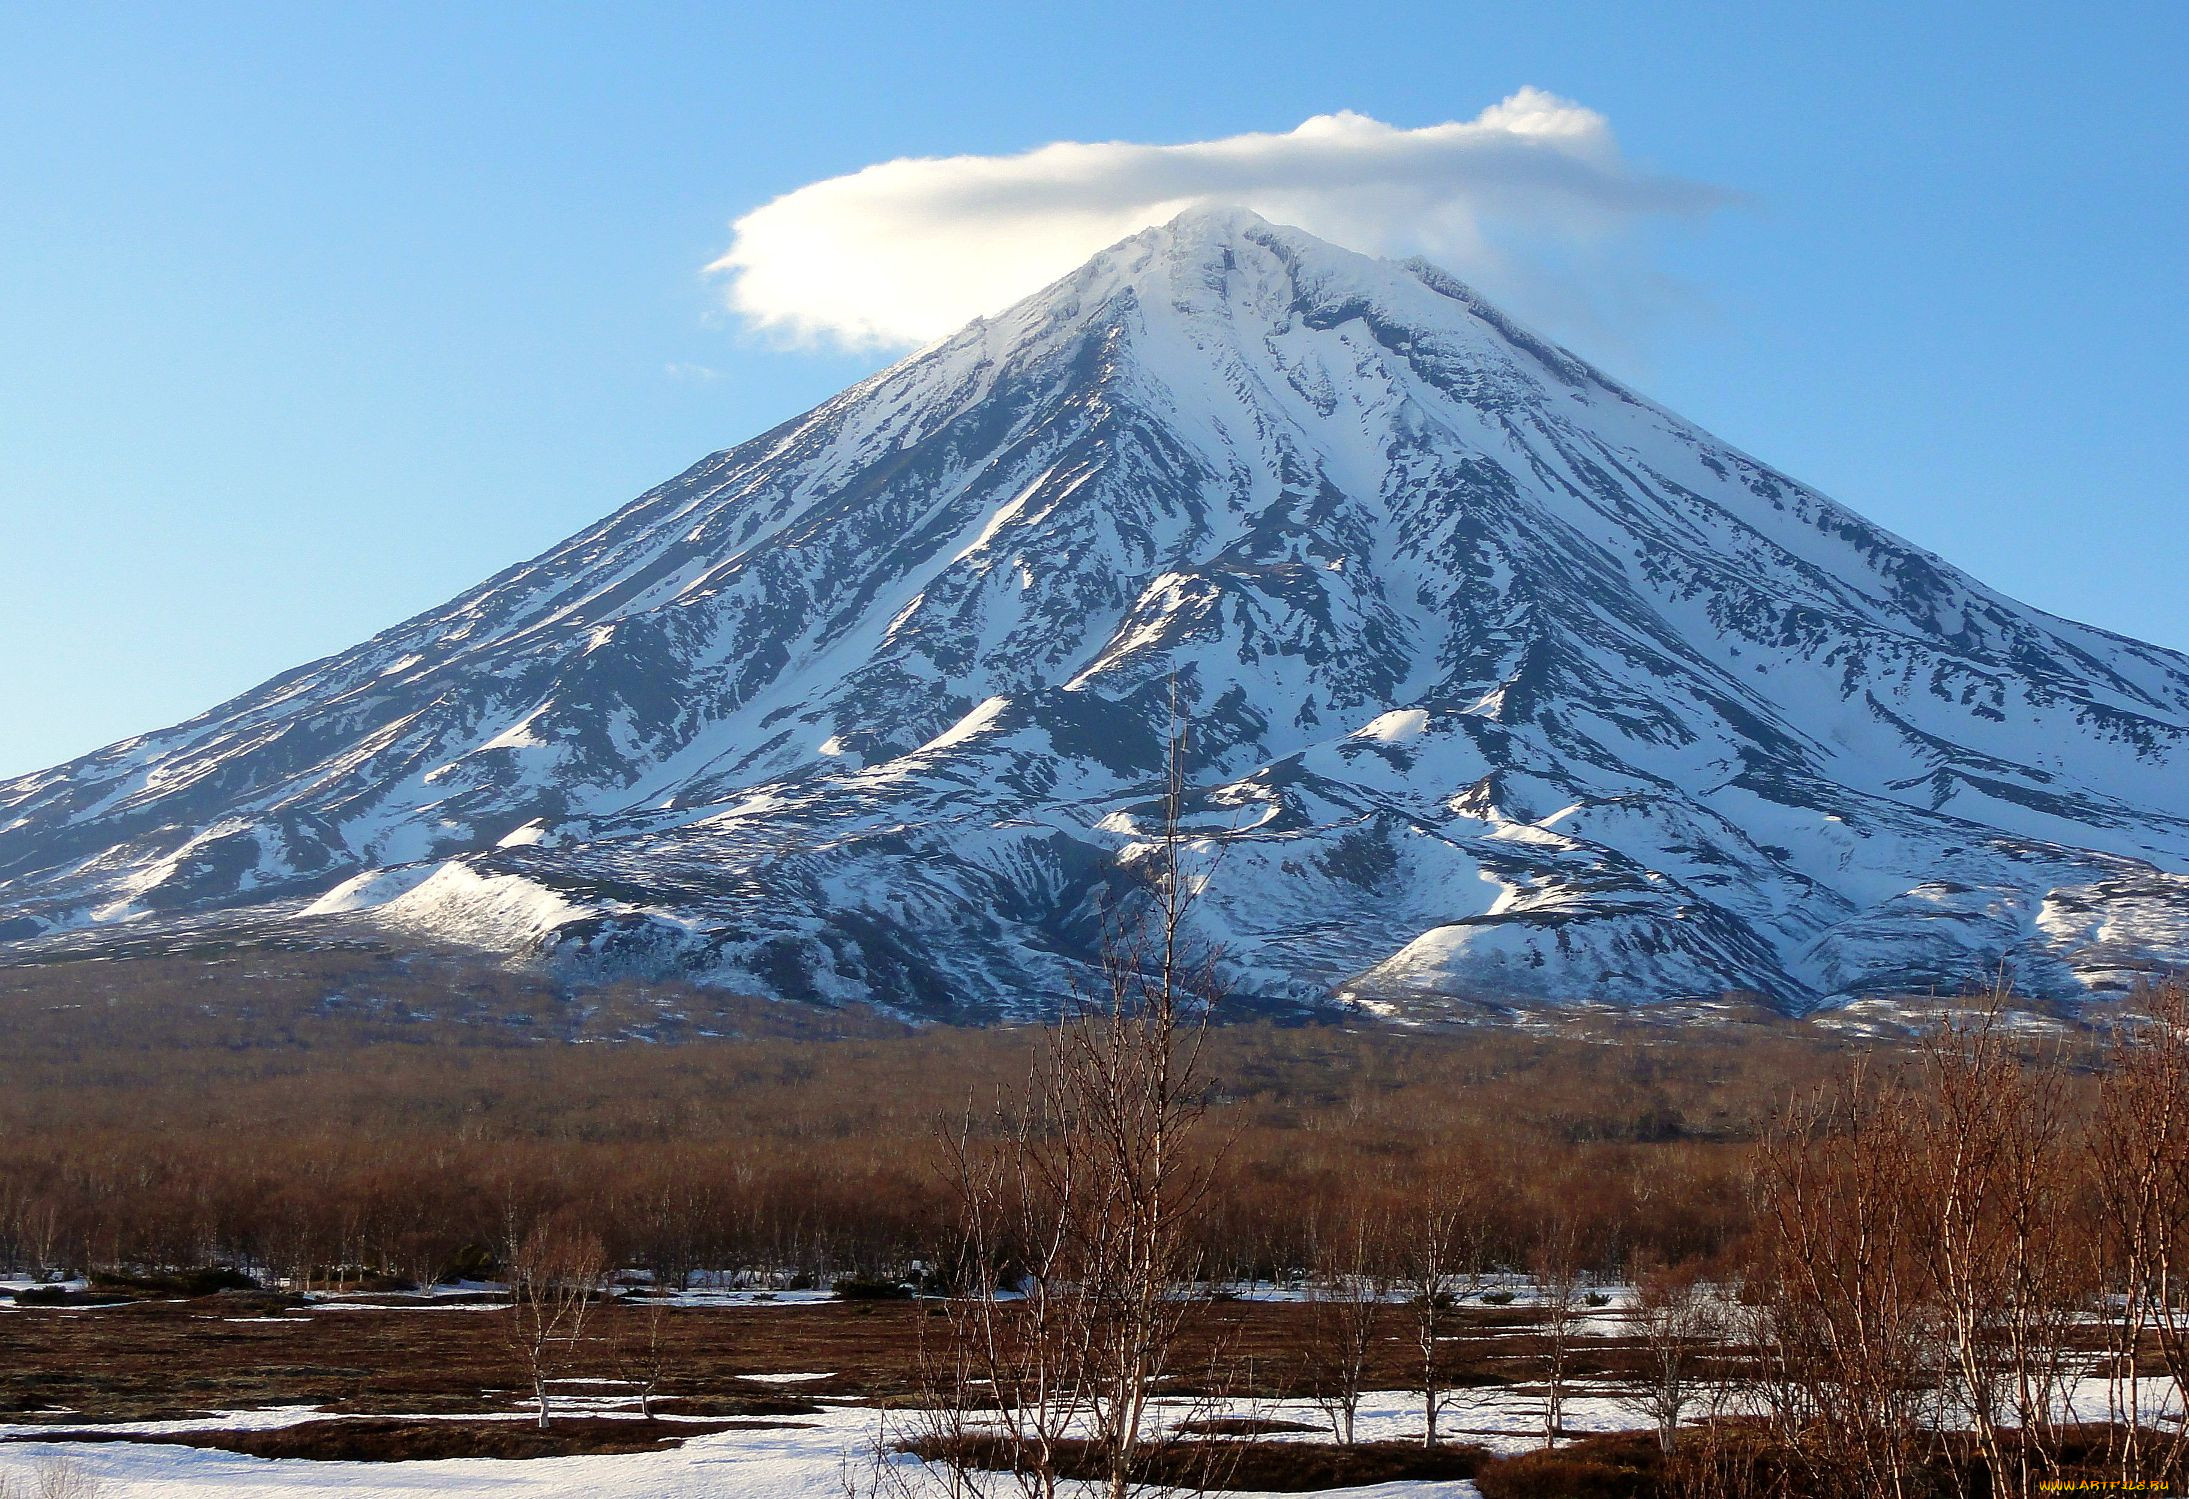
[(2138, 1161), (1987, 1153), (1348, 1309), (555, 1276), (1017, 1324), (1845, 1339), (1440, 1255), (1556, 1267), (1126, 1075), (53, 1477), (1678, 1319), (1090, 1193), (642, 1349)]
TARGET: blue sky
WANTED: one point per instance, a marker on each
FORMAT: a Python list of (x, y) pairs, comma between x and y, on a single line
[(311, 317)]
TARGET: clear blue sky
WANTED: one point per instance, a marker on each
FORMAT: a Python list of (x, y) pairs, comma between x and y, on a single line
[(311, 316)]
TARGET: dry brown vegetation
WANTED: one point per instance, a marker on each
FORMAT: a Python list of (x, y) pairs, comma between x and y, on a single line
[(1202, 1466), (170, 1359), (1944, 1245), (172, 1113), (1867, 1271), (387, 1439)]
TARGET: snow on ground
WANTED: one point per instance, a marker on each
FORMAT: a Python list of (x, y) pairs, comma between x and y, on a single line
[(814, 1458), (831, 1453), (733, 1465)]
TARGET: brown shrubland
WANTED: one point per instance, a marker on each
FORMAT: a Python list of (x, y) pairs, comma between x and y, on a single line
[(159, 1114), (1899, 1254)]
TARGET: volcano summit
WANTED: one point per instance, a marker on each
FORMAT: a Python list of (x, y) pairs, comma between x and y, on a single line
[(1507, 686)]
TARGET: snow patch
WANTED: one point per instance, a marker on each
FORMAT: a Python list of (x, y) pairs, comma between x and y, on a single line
[(375, 887), (1394, 727)]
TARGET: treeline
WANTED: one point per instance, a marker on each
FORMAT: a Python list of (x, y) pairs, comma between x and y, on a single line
[(794, 1169), (321, 1117)]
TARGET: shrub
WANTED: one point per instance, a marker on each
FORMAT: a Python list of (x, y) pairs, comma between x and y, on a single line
[(853, 1288), (53, 1477), (1621, 1466), (1278, 1467), (375, 1439), (472, 1262), (208, 1280)]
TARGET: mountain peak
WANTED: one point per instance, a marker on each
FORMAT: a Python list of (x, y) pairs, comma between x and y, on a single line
[(1244, 281), (1203, 246), (1194, 249), (1222, 296), (1215, 221)]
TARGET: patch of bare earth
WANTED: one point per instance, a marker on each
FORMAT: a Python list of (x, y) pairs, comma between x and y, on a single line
[(379, 1439)]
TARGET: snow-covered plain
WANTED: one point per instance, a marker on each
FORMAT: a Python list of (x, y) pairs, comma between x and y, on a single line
[(814, 1459), (831, 1454)]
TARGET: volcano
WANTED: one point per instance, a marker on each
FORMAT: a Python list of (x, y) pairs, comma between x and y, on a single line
[(1506, 687)]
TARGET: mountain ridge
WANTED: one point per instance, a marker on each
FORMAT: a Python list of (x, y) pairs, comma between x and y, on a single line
[(1510, 686)]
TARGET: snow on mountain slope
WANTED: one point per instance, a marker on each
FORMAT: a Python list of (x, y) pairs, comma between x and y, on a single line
[(1508, 686)]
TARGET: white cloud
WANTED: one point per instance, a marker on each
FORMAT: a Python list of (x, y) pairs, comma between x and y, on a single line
[(1532, 200)]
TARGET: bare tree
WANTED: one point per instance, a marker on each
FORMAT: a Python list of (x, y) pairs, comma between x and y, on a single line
[(1846, 1341), (40, 1223), (2138, 1156), (663, 1218), (1987, 1148), (1556, 1268), (1125, 1074), (1091, 1192), (877, 1468), (642, 1349), (1018, 1331), (53, 1477), (1723, 1453), (1921, 1275), (555, 1275), (1439, 1233), (1678, 1318), (1348, 1308)]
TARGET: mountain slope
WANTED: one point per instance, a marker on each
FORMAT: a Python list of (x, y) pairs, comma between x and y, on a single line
[(1508, 685)]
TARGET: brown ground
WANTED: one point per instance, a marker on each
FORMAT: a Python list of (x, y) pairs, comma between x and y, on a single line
[(63, 1367), (163, 1360), (383, 1439), (1282, 1467)]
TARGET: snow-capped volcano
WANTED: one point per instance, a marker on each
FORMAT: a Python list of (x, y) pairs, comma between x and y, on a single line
[(1507, 685)]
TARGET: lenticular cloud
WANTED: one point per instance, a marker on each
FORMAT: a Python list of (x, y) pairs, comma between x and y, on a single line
[(1527, 197)]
